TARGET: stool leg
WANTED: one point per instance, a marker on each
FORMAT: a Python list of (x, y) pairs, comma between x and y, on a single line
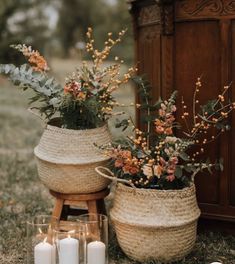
[(65, 212), (92, 207), (57, 211)]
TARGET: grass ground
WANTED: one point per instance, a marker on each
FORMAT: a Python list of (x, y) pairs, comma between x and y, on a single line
[(22, 195)]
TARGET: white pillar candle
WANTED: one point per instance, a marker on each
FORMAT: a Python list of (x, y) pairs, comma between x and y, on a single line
[(53, 260), (43, 253), (68, 251), (96, 253)]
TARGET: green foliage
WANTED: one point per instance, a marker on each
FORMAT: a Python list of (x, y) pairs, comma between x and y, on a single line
[(81, 114), (159, 158), (47, 90), (86, 99)]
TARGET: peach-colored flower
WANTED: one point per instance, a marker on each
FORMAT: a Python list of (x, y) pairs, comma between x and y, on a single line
[(168, 131), (159, 129), (170, 177), (158, 170), (126, 154), (170, 171), (162, 112), (81, 95), (173, 108), (158, 122), (133, 170), (147, 170), (130, 169), (118, 163), (162, 161), (170, 118), (35, 58), (74, 88), (66, 89), (174, 160)]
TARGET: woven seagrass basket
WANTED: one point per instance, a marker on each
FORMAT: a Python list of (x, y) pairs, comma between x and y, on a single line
[(66, 159), (154, 224)]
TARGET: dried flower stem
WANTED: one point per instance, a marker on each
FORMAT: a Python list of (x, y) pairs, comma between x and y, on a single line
[(185, 120)]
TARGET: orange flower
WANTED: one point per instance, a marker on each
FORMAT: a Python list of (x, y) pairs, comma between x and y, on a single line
[(162, 112), (159, 129), (168, 131), (66, 89), (158, 170), (130, 169), (118, 163), (126, 154), (35, 58), (158, 122), (81, 95), (134, 170), (170, 177), (74, 88), (170, 119)]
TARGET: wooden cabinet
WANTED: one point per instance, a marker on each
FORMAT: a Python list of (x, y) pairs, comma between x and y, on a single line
[(176, 42)]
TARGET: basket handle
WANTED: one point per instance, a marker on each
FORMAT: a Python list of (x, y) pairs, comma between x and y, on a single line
[(102, 171)]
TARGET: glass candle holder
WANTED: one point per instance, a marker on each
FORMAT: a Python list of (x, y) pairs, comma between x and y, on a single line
[(95, 245), (40, 242), (69, 240)]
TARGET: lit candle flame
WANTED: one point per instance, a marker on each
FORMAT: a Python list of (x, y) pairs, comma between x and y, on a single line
[(40, 230)]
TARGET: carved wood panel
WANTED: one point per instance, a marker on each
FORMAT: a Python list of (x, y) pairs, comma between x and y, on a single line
[(203, 9), (149, 15)]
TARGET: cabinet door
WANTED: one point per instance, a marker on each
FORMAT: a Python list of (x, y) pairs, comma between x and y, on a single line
[(204, 46), (177, 42)]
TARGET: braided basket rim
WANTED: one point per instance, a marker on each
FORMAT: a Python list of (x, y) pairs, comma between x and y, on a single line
[(72, 163), (54, 161), (89, 154), (67, 131), (185, 192)]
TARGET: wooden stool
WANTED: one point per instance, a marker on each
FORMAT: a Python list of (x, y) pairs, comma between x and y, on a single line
[(94, 203)]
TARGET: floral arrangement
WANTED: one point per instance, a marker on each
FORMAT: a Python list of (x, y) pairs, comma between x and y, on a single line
[(86, 100), (163, 155)]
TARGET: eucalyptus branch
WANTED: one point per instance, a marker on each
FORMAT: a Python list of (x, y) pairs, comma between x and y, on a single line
[(201, 167)]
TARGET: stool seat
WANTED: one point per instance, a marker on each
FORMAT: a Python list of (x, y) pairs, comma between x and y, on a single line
[(64, 203)]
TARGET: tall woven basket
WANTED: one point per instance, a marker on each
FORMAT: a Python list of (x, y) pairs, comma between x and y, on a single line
[(66, 159), (155, 224)]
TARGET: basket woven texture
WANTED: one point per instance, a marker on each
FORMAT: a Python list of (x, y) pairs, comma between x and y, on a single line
[(155, 224), (66, 159)]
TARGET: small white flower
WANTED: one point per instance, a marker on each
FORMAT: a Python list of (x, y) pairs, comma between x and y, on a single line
[(147, 170), (157, 170), (151, 171), (171, 139), (163, 106)]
